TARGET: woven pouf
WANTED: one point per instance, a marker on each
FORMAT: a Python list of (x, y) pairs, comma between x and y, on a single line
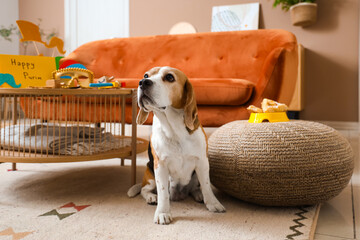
[(280, 164)]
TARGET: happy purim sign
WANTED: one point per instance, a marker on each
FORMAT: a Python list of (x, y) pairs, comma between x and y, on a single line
[(19, 71)]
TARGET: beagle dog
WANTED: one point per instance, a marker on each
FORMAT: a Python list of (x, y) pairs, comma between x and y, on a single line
[(177, 151)]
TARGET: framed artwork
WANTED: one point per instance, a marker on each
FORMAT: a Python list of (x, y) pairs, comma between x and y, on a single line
[(235, 17)]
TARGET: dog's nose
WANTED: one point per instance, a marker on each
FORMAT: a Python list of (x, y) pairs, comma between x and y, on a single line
[(145, 83)]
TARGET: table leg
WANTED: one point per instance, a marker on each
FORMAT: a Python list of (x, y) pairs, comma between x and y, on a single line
[(123, 122), (133, 138), (14, 118)]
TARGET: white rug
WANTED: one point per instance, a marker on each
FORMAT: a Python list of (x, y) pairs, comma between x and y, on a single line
[(88, 201)]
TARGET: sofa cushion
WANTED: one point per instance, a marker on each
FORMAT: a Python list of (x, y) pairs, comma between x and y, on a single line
[(213, 91), (222, 91)]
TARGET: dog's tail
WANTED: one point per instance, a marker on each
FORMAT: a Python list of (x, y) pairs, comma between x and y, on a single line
[(134, 190)]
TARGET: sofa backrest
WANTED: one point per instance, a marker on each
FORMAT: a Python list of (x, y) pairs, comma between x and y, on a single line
[(239, 54)]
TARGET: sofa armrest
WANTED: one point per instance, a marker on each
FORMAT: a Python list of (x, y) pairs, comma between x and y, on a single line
[(278, 78), (298, 100)]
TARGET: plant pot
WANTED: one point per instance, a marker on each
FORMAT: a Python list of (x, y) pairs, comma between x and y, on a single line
[(303, 14)]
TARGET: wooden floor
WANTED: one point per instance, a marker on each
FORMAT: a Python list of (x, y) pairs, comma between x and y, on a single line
[(340, 217)]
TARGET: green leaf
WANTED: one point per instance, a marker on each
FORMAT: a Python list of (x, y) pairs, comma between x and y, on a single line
[(286, 4)]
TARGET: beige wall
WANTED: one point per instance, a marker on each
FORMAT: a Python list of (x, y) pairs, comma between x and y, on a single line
[(331, 87), (331, 44), (51, 13)]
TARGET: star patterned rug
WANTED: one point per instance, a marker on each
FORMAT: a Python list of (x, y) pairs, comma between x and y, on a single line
[(88, 200)]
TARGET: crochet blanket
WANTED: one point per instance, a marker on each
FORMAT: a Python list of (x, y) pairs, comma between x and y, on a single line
[(58, 139)]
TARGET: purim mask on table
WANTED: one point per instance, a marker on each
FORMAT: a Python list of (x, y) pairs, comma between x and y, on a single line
[(73, 77)]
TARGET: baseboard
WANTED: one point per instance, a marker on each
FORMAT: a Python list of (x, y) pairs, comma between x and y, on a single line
[(354, 126), (144, 131)]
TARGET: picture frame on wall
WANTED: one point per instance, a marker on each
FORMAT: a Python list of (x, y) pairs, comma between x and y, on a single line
[(235, 17)]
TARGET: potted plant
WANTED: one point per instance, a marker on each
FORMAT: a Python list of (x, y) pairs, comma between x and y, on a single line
[(303, 12)]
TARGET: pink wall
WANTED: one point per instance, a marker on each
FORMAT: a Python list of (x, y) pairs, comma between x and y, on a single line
[(52, 14)]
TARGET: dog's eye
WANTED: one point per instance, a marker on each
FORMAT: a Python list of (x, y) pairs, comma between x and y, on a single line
[(169, 78), (146, 75)]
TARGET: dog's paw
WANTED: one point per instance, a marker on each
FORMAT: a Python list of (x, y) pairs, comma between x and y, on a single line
[(197, 195), (162, 218), (151, 199), (215, 206)]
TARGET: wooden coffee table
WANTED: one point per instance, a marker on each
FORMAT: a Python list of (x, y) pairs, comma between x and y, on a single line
[(51, 112)]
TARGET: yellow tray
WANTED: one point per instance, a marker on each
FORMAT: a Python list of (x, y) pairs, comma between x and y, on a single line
[(271, 117)]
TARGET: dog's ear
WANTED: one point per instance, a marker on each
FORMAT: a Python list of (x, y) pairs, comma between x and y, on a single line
[(142, 116), (190, 109)]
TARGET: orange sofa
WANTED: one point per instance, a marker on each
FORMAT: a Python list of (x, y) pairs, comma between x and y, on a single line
[(229, 70)]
